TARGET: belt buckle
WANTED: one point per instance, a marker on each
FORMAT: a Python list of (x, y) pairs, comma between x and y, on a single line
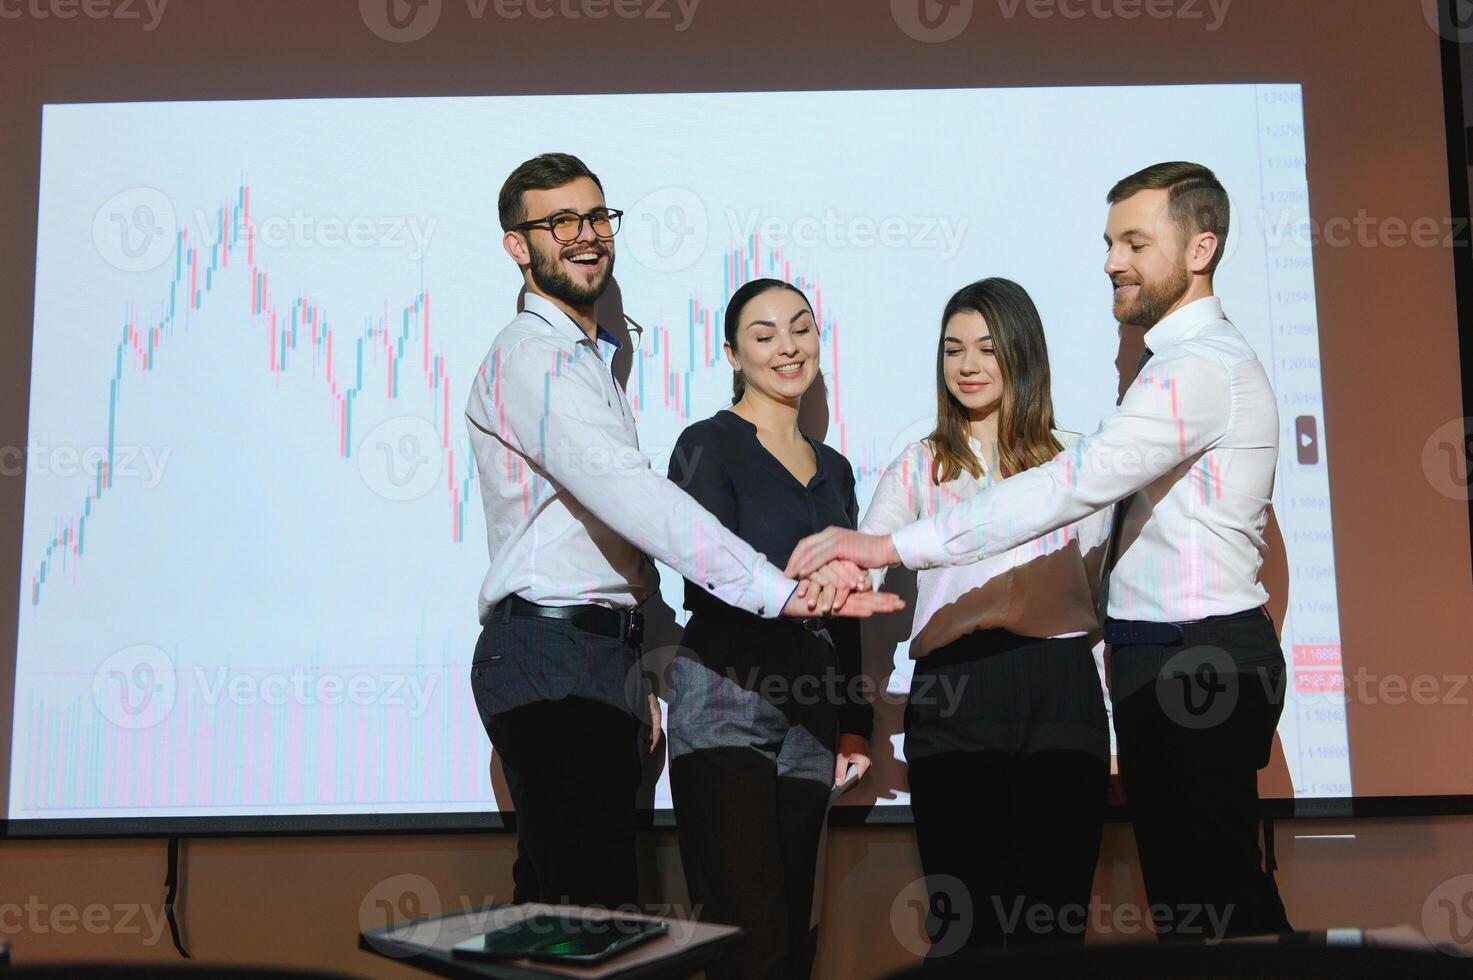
[(813, 623), (1170, 633)]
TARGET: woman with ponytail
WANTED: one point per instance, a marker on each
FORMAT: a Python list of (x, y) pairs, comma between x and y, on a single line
[(764, 714)]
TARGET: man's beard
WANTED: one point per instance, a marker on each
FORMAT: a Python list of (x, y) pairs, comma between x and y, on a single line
[(1154, 298), (548, 274)]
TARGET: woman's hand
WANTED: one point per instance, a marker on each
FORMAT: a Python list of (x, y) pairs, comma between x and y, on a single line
[(853, 750), (654, 742), (859, 605), (826, 590)]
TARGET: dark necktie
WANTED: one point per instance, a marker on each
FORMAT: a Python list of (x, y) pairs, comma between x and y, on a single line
[(1117, 523), (1141, 364)]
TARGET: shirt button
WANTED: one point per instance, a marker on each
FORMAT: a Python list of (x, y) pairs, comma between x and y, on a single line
[(762, 610), (710, 586)]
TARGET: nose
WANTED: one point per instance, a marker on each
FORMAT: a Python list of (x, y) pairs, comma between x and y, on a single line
[(585, 233), (1115, 261), (971, 363)]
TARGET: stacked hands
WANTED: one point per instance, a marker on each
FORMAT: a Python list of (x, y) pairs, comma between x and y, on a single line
[(830, 565)]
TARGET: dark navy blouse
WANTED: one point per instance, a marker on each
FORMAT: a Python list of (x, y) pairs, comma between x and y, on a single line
[(722, 464)]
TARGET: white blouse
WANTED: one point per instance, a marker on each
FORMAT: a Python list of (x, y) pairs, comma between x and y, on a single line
[(1045, 588), (1190, 454)]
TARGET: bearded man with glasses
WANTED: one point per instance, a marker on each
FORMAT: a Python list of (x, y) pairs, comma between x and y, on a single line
[(574, 514)]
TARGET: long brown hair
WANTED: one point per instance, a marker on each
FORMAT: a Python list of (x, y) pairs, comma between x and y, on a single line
[(1025, 421)]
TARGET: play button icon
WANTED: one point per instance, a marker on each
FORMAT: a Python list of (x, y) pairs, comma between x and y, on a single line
[(1307, 439)]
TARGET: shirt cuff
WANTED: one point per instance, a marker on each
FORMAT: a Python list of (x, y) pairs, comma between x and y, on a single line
[(919, 545), (773, 590)]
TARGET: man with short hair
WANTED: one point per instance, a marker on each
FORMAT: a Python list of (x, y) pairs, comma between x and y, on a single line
[(1196, 673), (573, 512)]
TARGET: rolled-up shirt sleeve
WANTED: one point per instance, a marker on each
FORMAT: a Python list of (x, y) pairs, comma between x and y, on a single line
[(1179, 407), (577, 439)]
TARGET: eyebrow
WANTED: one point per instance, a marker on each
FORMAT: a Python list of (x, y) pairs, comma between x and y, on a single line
[(984, 339), (768, 323), (1133, 232)]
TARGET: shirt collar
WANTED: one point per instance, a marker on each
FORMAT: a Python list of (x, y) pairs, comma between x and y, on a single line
[(818, 477), (976, 446), (553, 314), (1180, 325)]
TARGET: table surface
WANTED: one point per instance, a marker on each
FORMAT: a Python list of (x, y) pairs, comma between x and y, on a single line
[(425, 944)]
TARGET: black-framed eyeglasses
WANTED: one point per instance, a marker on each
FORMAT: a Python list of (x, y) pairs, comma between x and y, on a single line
[(567, 225)]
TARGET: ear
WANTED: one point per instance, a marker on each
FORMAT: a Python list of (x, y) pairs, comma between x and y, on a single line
[(1203, 248), (516, 247), (730, 356)]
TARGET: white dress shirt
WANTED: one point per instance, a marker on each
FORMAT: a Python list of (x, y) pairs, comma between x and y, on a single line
[(1045, 588), (1195, 441), (573, 508)]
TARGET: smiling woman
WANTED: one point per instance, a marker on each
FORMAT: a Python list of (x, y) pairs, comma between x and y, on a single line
[(776, 340), (750, 772), (1007, 782)]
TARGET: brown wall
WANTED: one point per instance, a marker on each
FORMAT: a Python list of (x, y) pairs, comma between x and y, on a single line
[(297, 901), (1389, 352)]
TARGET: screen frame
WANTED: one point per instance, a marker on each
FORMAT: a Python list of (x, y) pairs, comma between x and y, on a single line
[(1458, 128), (419, 824)]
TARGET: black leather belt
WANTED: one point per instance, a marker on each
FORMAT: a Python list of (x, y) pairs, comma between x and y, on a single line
[(1123, 632), (618, 624), (810, 623)]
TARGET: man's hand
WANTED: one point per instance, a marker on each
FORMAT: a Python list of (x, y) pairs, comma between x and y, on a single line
[(859, 605), (837, 543)]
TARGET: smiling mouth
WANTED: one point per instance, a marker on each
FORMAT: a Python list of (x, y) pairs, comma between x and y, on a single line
[(789, 370), (586, 257)]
